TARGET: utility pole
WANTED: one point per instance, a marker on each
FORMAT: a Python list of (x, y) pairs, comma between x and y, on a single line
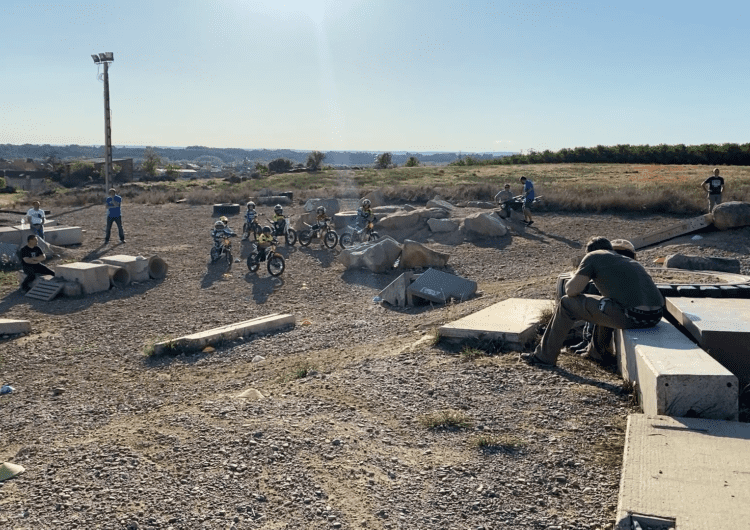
[(105, 59)]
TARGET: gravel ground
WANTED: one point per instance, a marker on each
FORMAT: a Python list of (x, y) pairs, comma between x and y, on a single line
[(113, 438)]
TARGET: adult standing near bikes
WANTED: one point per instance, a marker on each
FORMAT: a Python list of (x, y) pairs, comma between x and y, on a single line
[(714, 185), (114, 215), (528, 199)]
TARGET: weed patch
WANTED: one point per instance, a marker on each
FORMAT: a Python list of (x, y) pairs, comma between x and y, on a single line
[(470, 354), (299, 371), (446, 419), (490, 443)]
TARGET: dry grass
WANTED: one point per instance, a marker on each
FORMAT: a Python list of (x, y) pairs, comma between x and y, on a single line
[(446, 419), (505, 442)]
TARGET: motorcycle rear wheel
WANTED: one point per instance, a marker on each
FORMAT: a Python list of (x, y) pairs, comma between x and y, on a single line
[(345, 240), (305, 237), (330, 239)]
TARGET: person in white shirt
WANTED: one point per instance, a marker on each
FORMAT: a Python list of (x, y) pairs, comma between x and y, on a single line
[(35, 217)]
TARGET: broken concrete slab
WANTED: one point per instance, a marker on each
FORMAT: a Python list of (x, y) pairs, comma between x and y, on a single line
[(673, 376), (332, 206), (137, 266), (93, 277), (733, 214), (487, 205), (721, 327), (692, 473), (54, 235), (198, 341), (485, 225), (433, 213), (671, 231), (14, 327), (377, 256), (437, 203), (400, 221), (417, 256), (395, 292), (442, 225), (702, 263), (512, 322), (438, 286)]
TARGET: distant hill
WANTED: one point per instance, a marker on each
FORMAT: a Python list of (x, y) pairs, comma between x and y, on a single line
[(228, 156)]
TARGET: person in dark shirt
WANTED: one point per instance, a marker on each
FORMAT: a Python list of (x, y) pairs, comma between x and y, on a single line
[(714, 186), (31, 262), (629, 300)]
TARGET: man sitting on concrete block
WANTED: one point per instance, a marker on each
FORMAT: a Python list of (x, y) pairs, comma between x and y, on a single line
[(630, 300), (31, 262)]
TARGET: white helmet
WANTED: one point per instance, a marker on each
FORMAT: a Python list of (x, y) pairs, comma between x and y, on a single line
[(218, 225), (366, 202), (251, 205)]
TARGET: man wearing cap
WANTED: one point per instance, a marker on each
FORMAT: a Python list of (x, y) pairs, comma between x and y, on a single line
[(502, 198), (31, 262), (625, 248), (629, 300), (35, 215)]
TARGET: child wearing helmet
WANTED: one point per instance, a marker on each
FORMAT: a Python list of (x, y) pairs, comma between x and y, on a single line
[(365, 214), (250, 216), (278, 219), (218, 234), (321, 219), (265, 239)]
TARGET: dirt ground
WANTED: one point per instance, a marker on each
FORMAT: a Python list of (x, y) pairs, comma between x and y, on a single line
[(113, 438)]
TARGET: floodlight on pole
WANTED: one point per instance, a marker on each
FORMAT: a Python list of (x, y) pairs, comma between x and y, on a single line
[(105, 59)]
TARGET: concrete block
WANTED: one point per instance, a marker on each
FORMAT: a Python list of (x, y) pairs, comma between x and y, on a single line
[(512, 322), (438, 286), (137, 266), (721, 327), (14, 327), (93, 277), (63, 235), (674, 377), (693, 474), (198, 341), (395, 292)]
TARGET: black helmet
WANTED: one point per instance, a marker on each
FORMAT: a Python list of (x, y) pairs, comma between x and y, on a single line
[(266, 229), (278, 208)]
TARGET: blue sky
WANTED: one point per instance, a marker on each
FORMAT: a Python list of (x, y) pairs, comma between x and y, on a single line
[(364, 75)]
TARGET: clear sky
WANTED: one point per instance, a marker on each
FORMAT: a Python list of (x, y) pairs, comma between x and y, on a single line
[(376, 75)]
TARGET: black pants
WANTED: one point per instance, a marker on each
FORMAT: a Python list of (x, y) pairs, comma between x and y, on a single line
[(117, 220), (32, 271)]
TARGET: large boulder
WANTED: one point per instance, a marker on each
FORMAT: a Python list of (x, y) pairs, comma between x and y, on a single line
[(485, 225), (415, 255), (437, 203), (377, 256), (298, 222), (342, 220), (433, 213), (400, 221), (441, 225), (332, 206), (481, 204), (380, 211), (701, 263), (376, 198), (731, 215)]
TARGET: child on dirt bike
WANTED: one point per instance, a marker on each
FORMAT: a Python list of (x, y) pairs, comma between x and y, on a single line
[(250, 222), (321, 219), (365, 215), (265, 239), (278, 219), (218, 234)]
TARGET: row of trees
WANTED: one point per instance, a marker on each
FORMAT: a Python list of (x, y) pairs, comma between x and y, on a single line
[(710, 154)]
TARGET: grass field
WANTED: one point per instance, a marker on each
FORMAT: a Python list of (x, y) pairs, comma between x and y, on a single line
[(565, 187)]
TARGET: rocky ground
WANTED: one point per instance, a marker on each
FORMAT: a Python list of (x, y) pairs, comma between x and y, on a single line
[(113, 438)]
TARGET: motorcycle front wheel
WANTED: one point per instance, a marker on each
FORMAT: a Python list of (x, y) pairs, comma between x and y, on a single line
[(305, 237), (330, 239), (214, 254), (345, 240), (276, 265), (229, 258), (252, 262), (290, 237)]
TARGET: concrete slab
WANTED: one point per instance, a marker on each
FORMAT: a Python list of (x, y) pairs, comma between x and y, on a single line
[(692, 474), (14, 327), (137, 266), (438, 286), (674, 230), (395, 293), (673, 376), (93, 277), (54, 235), (198, 341), (721, 327), (512, 322)]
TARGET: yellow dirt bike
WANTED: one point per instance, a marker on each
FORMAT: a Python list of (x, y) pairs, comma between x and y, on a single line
[(275, 262), (321, 229)]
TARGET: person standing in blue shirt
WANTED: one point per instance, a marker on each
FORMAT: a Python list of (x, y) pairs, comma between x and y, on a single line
[(114, 215), (528, 199)]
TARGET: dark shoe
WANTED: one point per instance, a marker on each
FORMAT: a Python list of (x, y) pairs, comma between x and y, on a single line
[(106, 241), (532, 360), (530, 223), (122, 241)]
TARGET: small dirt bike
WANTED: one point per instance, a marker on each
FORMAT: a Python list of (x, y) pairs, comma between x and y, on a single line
[(290, 235), (514, 205), (356, 235), (321, 229), (251, 228), (275, 262), (223, 251)]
